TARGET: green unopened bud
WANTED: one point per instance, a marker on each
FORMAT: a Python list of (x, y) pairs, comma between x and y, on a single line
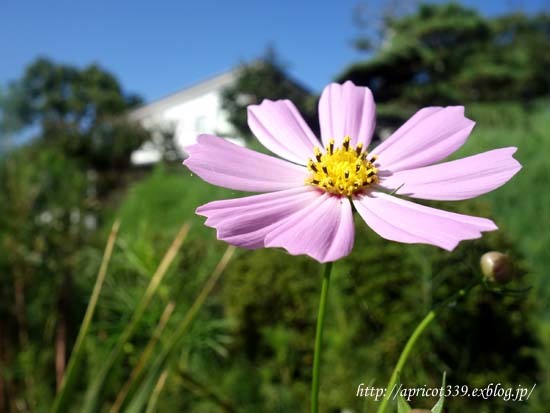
[(497, 267)]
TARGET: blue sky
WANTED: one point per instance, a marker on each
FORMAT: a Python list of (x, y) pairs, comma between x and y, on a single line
[(156, 48)]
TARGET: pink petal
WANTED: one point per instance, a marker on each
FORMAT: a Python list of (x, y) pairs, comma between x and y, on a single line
[(223, 163), (347, 110), (246, 221), (324, 230), (280, 128), (429, 136), (403, 221), (461, 179)]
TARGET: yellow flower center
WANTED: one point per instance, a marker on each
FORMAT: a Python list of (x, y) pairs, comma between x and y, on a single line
[(342, 171)]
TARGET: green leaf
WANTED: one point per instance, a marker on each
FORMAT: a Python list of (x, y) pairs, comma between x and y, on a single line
[(402, 405), (438, 408)]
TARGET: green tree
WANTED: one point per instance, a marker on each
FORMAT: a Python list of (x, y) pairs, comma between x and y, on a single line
[(449, 53), (81, 111), (264, 79), (50, 94)]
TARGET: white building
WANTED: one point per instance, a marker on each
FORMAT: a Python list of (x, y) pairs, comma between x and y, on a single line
[(186, 114)]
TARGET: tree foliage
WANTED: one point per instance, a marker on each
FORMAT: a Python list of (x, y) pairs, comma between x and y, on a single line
[(449, 53), (79, 111), (53, 95), (264, 79)]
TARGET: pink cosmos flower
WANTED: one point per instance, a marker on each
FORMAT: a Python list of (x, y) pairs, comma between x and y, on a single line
[(306, 201)]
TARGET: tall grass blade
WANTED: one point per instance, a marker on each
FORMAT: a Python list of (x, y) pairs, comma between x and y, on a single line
[(69, 378), (153, 400), (93, 393), (135, 375), (159, 364)]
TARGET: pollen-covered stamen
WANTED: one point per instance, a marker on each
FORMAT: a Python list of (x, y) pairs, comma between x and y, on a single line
[(311, 165), (346, 142), (318, 154), (344, 170)]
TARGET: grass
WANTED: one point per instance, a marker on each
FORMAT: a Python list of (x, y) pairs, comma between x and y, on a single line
[(165, 199)]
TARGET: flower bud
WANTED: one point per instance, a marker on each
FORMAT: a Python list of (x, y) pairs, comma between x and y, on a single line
[(497, 267)]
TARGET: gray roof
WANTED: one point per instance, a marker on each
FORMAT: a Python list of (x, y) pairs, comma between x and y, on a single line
[(187, 93)]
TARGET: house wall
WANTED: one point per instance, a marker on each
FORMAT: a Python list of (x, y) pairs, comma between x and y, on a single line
[(203, 114), (187, 114)]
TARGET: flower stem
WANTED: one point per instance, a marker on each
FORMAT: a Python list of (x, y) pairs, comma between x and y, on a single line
[(414, 337), (319, 339), (403, 358)]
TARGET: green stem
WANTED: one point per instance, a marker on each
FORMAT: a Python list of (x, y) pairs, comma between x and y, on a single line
[(414, 337), (403, 358), (319, 339)]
